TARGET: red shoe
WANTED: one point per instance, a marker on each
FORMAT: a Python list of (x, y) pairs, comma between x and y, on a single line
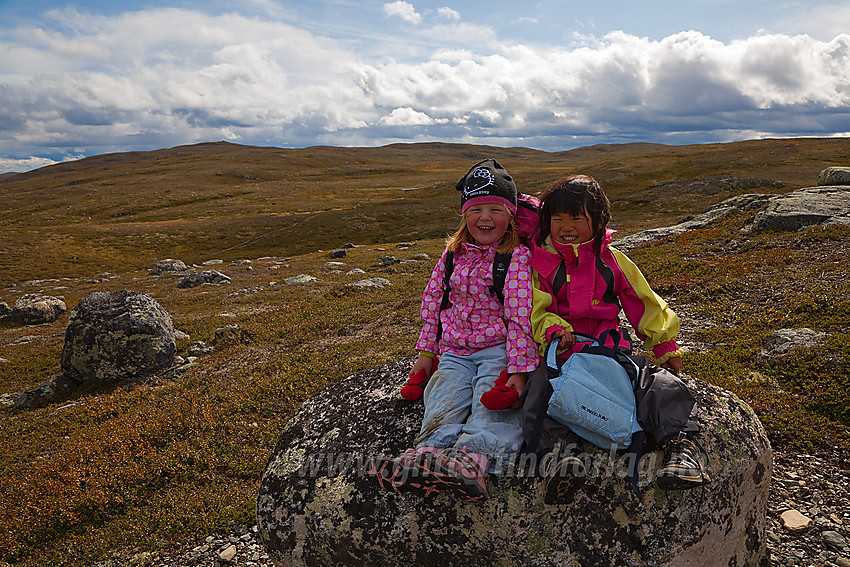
[(461, 474), (405, 473)]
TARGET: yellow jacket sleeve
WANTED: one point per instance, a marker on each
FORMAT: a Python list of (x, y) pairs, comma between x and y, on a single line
[(656, 324)]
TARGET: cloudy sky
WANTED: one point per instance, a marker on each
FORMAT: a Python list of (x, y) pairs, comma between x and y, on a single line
[(98, 76)]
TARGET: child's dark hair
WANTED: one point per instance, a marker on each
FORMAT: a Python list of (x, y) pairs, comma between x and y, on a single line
[(574, 195)]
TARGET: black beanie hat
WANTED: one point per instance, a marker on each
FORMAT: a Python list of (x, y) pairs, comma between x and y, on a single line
[(487, 182)]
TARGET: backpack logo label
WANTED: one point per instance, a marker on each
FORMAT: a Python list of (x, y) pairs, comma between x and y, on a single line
[(594, 413)]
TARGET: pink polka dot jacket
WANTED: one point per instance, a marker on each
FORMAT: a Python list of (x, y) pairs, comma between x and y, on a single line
[(476, 319)]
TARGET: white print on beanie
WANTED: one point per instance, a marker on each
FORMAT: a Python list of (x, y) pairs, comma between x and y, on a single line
[(478, 182)]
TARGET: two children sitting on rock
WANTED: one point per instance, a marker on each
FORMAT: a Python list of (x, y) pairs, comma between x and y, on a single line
[(566, 279)]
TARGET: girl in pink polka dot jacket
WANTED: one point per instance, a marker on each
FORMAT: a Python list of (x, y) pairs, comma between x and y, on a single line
[(478, 338)]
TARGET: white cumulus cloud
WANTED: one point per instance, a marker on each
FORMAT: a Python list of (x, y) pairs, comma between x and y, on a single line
[(448, 14), (403, 10), (92, 84)]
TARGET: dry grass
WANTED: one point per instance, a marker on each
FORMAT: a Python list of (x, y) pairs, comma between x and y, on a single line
[(139, 466)]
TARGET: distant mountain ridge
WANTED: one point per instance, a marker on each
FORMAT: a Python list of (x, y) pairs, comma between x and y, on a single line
[(123, 210)]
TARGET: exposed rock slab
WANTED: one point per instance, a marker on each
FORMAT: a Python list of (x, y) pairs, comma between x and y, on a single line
[(795, 210), (748, 202), (806, 207), (783, 341), (315, 507)]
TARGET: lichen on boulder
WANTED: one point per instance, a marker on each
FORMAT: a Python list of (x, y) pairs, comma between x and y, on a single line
[(35, 309), (115, 336), (316, 507)]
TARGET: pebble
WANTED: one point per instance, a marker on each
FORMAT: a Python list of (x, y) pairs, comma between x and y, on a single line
[(834, 540), (228, 554), (794, 521)]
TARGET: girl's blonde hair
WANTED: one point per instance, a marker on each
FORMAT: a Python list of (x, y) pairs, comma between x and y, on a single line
[(509, 241)]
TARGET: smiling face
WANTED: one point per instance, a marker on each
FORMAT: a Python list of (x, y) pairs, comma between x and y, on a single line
[(487, 223), (567, 228)]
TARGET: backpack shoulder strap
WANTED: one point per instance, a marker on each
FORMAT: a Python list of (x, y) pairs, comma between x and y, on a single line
[(560, 279), (501, 263), (445, 303)]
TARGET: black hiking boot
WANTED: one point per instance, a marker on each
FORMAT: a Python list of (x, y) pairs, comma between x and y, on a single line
[(561, 480), (683, 466)]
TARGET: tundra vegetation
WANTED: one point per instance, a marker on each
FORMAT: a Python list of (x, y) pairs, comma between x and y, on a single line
[(139, 466)]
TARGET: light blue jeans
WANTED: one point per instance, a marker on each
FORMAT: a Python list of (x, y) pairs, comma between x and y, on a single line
[(455, 416)]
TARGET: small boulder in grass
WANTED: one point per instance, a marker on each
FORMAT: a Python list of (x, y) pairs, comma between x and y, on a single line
[(205, 277), (35, 309), (170, 265)]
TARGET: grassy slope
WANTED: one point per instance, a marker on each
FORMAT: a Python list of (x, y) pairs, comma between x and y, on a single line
[(143, 465), (118, 212)]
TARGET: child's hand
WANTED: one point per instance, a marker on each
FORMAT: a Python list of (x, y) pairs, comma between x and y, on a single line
[(425, 363), (418, 378), (505, 392), (568, 341), (673, 364), (516, 382)]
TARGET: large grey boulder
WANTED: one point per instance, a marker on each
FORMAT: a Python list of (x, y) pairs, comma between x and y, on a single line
[(806, 207), (316, 507), (35, 309), (834, 176), (114, 336)]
